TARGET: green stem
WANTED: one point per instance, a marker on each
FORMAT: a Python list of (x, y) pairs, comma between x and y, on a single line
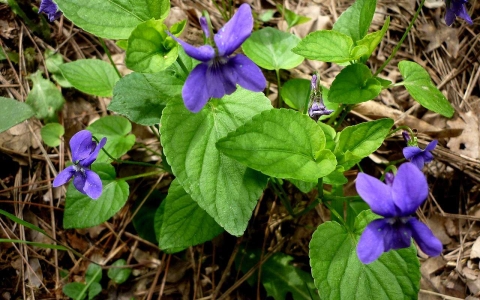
[(280, 193), (336, 214), (155, 132), (109, 55), (320, 188), (138, 163), (402, 127), (141, 175), (128, 162), (182, 65), (401, 40), (334, 115), (345, 111), (149, 149), (280, 102), (315, 202)]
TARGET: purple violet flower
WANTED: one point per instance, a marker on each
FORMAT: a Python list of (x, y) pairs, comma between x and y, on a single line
[(396, 201), (51, 9), (418, 156), (84, 153), (456, 8), (219, 72), (317, 108)]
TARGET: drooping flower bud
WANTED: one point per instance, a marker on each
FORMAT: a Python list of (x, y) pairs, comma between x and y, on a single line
[(389, 177), (204, 25), (316, 107)]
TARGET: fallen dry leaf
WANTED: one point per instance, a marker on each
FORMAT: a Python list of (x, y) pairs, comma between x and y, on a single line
[(468, 143)]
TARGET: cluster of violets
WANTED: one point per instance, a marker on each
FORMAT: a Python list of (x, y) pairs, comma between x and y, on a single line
[(217, 75)]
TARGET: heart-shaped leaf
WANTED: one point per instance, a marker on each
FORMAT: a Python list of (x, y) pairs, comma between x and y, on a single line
[(223, 187)]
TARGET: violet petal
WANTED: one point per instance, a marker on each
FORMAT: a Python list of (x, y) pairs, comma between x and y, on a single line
[(431, 145), (397, 236), (204, 25), (93, 184), (409, 189), (462, 13), (371, 246), (220, 80), (377, 194), (51, 9), (424, 238), (249, 76), (418, 161), (79, 181), (411, 151), (81, 145), (427, 157), (64, 176), (195, 93), (235, 31), (203, 53), (449, 17), (93, 156)]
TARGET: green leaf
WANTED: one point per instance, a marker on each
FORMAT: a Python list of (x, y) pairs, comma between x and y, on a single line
[(330, 134), (356, 20), (74, 290), (144, 103), (116, 129), (325, 45), (291, 17), (93, 290), (53, 61), (279, 276), (181, 223), (44, 98), (91, 76), (336, 177), (271, 49), (372, 40), (339, 274), (384, 82), (226, 189), (12, 55), (52, 133), (23, 222), (113, 19), (363, 139), (119, 275), (421, 88), (295, 93), (353, 85), (304, 187), (267, 15), (281, 143), (178, 27), (150, 49), (358, 51), (81, 211), (94, 273), (15, 113), (123, 44)]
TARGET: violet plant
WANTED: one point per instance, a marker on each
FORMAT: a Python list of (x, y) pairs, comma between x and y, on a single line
[(224, 141)]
